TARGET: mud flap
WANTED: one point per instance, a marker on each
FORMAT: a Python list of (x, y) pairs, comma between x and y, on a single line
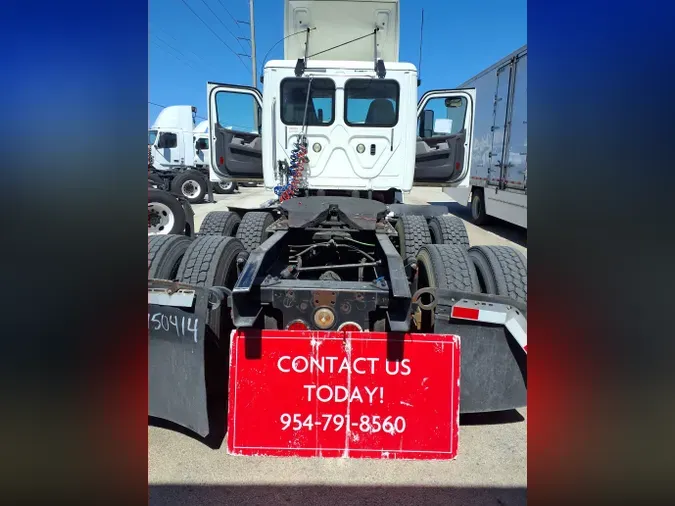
[(494, 366), (177, 319)]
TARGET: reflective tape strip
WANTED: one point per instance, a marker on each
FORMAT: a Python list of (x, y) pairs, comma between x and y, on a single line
[(517, 326), (466, 313), (499, 314)]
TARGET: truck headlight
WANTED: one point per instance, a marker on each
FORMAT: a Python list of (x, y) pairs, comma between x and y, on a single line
[(360, 148)]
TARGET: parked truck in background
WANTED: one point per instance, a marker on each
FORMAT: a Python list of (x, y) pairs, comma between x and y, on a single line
[(173, 159), (498, 167)]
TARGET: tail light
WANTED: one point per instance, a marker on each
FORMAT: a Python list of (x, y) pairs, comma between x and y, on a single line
[(297, 325), (350, 327)]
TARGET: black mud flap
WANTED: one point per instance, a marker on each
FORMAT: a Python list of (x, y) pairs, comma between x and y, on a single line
[(177, 319), (493, 366)]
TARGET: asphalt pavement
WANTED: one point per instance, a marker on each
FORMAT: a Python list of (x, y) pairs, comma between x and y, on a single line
[(491, 466)]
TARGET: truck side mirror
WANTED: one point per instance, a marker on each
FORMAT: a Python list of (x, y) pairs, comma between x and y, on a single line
[(320, 115), (427, 124)]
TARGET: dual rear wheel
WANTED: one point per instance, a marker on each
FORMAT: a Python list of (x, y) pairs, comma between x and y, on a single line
[(443, 257)]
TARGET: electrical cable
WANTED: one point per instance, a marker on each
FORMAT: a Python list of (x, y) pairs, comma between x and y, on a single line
[(221, 22), (344, 43), (217, 36), (179, 51), (164, 107), (164, 32), (230, 14), (264, 60), (171, 54)]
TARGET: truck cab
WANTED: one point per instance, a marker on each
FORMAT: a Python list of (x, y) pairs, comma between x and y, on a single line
[(201, 139), (170, 138), (364, 129)]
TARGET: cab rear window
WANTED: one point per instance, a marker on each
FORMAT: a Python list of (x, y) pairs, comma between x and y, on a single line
[(320, 107), (371, 102)]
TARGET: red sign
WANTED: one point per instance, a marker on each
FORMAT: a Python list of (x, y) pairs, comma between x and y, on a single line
[(336, 394)]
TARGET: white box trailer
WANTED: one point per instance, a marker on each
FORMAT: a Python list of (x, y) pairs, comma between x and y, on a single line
[(498, 166)]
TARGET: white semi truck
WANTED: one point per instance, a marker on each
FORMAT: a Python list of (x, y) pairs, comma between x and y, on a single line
[(176, 161), (498, 168), (333, 313)]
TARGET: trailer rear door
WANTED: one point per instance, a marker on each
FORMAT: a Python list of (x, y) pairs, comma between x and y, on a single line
[(234, 126), (515, 168), (444, 136), (499, 127)]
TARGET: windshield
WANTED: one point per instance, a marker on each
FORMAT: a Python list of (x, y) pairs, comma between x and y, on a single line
[(152, 137)]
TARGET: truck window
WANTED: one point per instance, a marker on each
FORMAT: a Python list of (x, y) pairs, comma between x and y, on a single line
[(202, 143), (320, 108), (152, 137), (371, 102), (238, 111), (442, 117), (167, 140)]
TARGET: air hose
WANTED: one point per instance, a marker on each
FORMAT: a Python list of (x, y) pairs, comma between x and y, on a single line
[(298, 159), (295, 169)]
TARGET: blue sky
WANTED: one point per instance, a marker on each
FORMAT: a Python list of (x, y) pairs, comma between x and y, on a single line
[(459, 41)]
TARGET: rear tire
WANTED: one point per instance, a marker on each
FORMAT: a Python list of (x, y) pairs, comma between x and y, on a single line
[(478, 214), (502, 271), (191, 184), (442, 266), (413, 233), (253, 229), (165, 213), (448, 229), (222, 223), (446, 266), (164, 255), (211, 261), (225, 188)]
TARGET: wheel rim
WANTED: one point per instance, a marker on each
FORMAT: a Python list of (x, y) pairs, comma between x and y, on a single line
[(226, 186), (190, 188), (160, 218)]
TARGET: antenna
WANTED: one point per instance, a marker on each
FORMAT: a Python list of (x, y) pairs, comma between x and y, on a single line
[(419, 67)]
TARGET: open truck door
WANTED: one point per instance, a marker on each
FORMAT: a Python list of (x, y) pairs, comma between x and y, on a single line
[(444, 137), (234, 126)]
